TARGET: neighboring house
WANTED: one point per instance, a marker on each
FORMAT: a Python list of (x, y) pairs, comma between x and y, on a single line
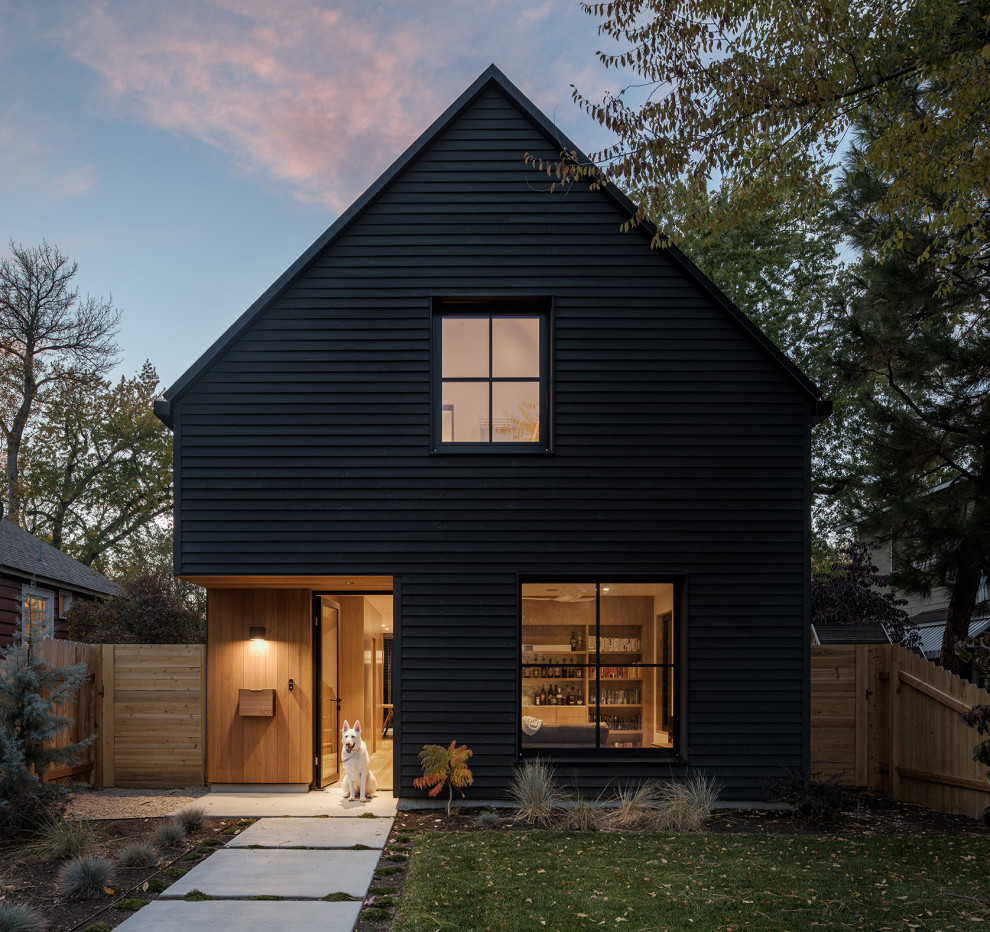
[(38, 583), (930, 613), (572, 476)]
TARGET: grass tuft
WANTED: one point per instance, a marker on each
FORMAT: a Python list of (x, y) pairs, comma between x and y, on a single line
[(374, 914), (487, 820), (535, 791), (196, 896), (15, 917), (174, 872), (154, 885), (85, 877), (138, 854), (55, 838), (170, 834), (338, 897), (99, 927), (191, 818)]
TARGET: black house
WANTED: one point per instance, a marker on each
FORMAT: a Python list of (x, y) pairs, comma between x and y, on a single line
[(483, 462)]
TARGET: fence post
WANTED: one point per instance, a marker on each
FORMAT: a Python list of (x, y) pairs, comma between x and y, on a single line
[(896, 738), (861, 659), (107, 716)]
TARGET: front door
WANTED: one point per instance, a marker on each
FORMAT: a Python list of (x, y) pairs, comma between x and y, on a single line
[(326, 622)]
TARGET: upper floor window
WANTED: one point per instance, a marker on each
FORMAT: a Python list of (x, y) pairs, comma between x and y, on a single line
[(490, 383)]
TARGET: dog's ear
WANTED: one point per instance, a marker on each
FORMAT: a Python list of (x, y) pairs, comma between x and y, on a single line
[(345, 727), (357, 726)]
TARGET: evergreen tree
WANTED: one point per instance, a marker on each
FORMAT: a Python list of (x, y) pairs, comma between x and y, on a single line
[(912, 343), (30, 688), (856, 593)]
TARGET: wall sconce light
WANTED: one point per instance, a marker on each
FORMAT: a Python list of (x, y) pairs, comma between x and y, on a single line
[(256, 633)]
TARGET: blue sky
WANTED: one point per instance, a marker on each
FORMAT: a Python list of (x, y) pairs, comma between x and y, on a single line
[(185, 153)]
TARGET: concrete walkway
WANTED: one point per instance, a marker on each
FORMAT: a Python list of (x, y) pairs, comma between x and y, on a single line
[(309, 845)]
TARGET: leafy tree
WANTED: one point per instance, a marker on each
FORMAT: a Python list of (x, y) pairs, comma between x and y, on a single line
[(856, 593), (97, 469), (30, 687), (716, 76), (916, 356), (49, 337), (976, 651), (444, 767), (148, 609)]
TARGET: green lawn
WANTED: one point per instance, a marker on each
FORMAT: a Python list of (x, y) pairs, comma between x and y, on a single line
[(566, 880)]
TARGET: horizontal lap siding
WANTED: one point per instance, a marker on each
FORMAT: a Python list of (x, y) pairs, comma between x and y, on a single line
[(679, 447)]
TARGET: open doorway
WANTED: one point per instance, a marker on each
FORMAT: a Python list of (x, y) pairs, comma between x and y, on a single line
[(353, 651)]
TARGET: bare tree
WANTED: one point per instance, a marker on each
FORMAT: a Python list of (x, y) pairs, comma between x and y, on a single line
[(48, 336)]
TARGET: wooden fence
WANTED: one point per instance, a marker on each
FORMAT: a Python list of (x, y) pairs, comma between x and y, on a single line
[(885, 718), (145, 703)]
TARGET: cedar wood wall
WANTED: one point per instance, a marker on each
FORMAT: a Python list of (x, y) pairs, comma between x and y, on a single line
[(680, 447)]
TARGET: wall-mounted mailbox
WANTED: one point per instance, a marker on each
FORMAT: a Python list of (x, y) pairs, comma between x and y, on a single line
[(256, 702)]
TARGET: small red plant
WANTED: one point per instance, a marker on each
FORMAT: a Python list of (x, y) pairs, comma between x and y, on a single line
[(444, 767)]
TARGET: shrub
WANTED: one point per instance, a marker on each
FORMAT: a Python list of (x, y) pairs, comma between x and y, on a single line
[(535, 791), (154, 885), (170, 834), (17, 918), (190, 818), (487, 820), (138, 854), (85, 877), (149, 608), (31, 807), (813, 801), (444, 767)]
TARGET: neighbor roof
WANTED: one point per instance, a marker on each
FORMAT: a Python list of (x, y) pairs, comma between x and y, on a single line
[(850, 634), (22, 554), (490, 77)]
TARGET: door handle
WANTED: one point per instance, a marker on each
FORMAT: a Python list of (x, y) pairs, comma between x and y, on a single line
[(338, 704)]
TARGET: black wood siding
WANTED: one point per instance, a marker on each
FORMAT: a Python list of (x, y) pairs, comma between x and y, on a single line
[(680, 447)]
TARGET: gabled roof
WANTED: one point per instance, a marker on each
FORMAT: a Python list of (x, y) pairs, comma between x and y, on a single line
[(26, 556), (490, 78)]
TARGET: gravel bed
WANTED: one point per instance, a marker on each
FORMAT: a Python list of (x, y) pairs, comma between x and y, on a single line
[(120, 803)]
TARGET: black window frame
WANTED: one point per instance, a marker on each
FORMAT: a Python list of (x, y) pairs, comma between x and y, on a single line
[(489, 307), (598, 753)]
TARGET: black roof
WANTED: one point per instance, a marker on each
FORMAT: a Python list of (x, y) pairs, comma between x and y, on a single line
[(491, 76), (22, 554)]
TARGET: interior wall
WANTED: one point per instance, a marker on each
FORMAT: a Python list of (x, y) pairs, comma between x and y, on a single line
[(372, 675), (260, 749)]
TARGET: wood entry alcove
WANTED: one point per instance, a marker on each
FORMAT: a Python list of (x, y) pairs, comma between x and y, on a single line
[(245, 749)]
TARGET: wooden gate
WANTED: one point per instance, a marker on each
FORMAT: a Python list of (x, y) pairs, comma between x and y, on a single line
[(145, 703), (885, 718)]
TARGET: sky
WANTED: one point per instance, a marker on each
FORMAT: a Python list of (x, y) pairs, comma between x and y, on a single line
[(186, 152)]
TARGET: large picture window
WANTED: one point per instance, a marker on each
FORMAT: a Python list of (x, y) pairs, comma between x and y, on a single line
[(598, 666), (490, 375)]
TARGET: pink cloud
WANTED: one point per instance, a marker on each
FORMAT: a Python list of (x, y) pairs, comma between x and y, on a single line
[(316, 100), (315, 95)]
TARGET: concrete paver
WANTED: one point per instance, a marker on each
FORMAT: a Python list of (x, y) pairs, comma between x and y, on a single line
[(330, 801), (267, 872), (314, 833), (243, 916)]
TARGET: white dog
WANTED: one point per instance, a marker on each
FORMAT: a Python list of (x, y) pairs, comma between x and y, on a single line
[(354, 755)]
